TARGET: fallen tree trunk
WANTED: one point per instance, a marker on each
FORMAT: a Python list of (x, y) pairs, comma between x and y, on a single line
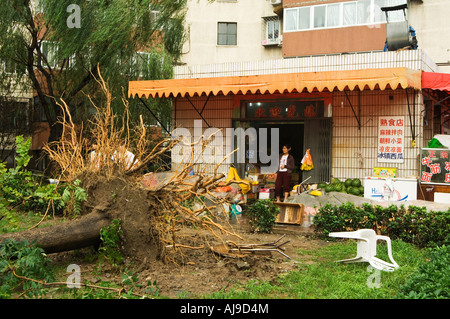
[(66, 236)]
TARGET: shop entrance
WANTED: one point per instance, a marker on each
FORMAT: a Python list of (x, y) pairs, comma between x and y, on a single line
[(289, 133), (301, 123), (313, 134)]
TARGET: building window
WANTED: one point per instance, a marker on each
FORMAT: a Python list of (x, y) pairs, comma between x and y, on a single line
[(50, 51), (271, 31), (319, 16), (14, 115), (140, 63), (13, 67), (349, 14), (304, 18), (364, 11), (227, 33), (342, 14), (379, 15), (290, 20), (333, 15)]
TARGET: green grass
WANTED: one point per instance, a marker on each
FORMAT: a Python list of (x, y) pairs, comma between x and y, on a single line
[(23, 221), (326, 279)]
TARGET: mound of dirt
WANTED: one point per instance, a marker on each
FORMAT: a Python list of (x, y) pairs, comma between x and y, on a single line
[(193, 266), (121, 198)]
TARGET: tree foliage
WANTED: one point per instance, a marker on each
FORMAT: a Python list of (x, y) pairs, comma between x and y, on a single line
[(61, 60)]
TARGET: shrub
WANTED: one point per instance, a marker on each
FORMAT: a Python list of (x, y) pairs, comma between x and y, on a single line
[(432, 279), (414, 225), (262, 215)]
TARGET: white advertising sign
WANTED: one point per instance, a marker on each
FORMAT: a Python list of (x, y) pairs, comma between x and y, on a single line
[(391, 133)]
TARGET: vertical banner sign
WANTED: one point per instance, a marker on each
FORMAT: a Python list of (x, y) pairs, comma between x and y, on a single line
[(391, 133), (435, 166)]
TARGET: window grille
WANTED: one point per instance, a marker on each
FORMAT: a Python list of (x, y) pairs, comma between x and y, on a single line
[(271, 31)]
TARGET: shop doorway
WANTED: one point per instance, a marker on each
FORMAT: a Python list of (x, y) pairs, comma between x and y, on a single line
[(313, 134), (289, 133)]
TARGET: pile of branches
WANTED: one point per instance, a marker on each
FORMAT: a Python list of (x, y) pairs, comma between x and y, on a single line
[(112, 138)]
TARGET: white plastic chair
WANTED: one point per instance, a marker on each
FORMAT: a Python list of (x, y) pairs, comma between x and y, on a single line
[(367, 248)]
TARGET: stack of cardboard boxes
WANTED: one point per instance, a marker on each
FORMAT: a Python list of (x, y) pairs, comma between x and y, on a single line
[(268, 191)]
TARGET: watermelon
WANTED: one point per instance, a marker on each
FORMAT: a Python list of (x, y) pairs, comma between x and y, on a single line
[(356, 182), (335, 181), (329, 188), (348, 182), (322, 185), (354, 191), (339, 187), (361, 189)]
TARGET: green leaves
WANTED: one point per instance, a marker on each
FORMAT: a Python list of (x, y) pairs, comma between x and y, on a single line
[(19, 189), (19, 261), (432, 279), (73, 197), (414, 225), (15, 183), (262, 215), (22, 148), (111, 237)]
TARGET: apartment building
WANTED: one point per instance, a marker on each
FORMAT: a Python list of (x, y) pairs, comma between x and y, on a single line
[(339, 72), (274, 29), (232, 30)]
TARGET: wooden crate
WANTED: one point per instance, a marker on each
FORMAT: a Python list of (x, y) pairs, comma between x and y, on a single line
[(290, 213)]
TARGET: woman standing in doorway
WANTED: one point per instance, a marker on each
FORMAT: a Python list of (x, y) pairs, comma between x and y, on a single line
[(284, 173)]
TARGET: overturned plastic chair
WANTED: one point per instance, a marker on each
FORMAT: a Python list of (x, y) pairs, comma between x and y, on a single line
[(367, 248)]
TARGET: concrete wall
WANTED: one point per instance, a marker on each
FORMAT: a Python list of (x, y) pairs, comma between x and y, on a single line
[(430, 20), (201, 26)]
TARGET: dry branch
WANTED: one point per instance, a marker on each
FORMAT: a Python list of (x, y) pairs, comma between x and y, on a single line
[(169, 212)]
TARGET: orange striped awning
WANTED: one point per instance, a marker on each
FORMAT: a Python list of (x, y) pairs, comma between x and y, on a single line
[(371, 79)]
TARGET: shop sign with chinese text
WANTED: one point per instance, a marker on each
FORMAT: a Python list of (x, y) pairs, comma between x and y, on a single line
[(391, 133), (435, 166), (285, 109)]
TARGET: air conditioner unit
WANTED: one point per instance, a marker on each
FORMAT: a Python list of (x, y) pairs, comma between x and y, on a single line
[(276, 2)]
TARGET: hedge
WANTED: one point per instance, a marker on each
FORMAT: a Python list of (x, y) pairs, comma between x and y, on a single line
[(414, 224)]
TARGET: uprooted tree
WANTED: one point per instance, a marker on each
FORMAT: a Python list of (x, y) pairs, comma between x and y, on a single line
[(151, 207)]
